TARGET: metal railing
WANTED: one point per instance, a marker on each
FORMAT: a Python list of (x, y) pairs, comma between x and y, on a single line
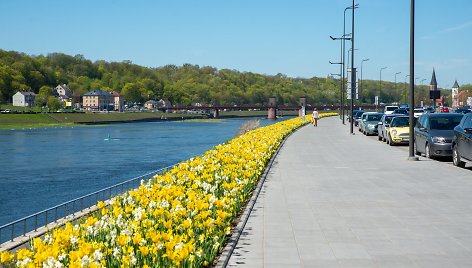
[(21, 227)]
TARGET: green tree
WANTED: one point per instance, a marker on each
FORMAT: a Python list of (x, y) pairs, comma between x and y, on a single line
[(43, 96), (53, 103), (132, 93)]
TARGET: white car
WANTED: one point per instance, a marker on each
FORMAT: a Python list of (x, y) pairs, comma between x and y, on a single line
[(389, 109), (417, 112)]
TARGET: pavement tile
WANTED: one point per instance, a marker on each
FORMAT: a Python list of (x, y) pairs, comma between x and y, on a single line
[(332, 199)]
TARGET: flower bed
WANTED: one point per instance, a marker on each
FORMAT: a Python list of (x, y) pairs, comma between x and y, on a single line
[(180, 218)]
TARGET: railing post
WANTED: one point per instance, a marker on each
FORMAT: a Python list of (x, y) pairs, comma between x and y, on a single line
[(65, 210), (35, 222), (24, 227), (55, 215), (46, 218), (12, 232)]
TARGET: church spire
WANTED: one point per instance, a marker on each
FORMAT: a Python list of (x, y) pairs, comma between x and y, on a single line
[(456, 85), (433, 85), (433, 80)]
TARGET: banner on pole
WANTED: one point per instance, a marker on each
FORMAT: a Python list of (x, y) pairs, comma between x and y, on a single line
[(348, 87)]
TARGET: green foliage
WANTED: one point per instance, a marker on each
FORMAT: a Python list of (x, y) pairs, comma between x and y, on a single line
[(53, 103), (182, 85), (42, 97)]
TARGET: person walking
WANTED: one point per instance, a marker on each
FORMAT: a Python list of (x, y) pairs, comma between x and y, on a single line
[(315, 117)]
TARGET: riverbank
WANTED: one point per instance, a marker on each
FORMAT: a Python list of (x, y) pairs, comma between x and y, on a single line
[(23, 121)]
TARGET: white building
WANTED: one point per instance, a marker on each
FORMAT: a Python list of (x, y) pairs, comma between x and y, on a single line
[(24, 99)]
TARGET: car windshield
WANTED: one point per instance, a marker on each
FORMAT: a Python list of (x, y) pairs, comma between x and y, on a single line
[(391, 108), (358, 115), (445, 123), (400, 122), (374, 117), (419, 111), (388, 119)]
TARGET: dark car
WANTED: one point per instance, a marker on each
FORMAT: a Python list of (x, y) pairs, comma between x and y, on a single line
[(434, 132), (400, 111), (349, 115), (462, 142), (463, 110), (357, 117), (429, 110)]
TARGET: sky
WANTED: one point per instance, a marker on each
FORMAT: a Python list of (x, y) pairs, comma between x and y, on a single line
[(261, 36)]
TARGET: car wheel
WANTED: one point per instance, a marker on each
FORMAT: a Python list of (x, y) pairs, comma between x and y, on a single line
[(427, 152), (456, 158), (416, 149), (389, 141)]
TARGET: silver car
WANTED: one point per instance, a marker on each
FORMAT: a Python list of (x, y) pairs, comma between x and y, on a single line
[(383, 125)]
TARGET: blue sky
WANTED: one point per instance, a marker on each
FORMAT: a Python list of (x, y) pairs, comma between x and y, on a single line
[(262, 36)]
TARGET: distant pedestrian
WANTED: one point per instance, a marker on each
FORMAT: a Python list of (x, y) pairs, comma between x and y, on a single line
[(315, 117)]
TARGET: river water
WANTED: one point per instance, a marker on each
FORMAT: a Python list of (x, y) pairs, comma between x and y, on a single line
[(41, 168)]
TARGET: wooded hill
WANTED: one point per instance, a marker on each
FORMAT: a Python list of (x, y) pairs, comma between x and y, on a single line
[(182, 85)]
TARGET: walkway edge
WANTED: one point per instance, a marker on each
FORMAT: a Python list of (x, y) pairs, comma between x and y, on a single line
[(225, 256)]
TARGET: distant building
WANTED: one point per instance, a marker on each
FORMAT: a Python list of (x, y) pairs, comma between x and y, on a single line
[(119, 101), (151, 104), (164, 103), (98, 100), (24, 99), (64, 90), (455, 97)]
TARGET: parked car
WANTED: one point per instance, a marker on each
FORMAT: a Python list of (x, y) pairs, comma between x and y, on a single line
[(400, 111), (434, 132), (428, 109), (399, 131), (384, 123), (354, 113), (357, 117), (444, 109), (463, 110), (359, 121), (462, 142), (405, 106), (417, 112), (369, 123), (389, 109)]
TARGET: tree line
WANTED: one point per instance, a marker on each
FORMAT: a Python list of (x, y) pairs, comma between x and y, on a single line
[(182, 85)]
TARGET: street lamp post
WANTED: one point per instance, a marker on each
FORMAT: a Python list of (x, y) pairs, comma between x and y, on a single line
[(343, 38), (353, 73), (406, 98), (380, 82), (396, 79), (354, 6), (348, 55), (411, 153), (360, 86), (341, 95)]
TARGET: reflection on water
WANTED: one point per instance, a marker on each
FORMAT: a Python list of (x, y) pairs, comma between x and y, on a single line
[(41, 168)]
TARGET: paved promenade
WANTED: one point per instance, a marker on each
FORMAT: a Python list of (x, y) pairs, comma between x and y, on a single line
[(338, 200)]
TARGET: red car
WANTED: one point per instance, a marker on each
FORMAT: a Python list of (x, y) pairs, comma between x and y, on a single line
[(444, 109)]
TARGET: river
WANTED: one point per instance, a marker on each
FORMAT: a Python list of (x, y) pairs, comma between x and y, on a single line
[(41, 168)]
